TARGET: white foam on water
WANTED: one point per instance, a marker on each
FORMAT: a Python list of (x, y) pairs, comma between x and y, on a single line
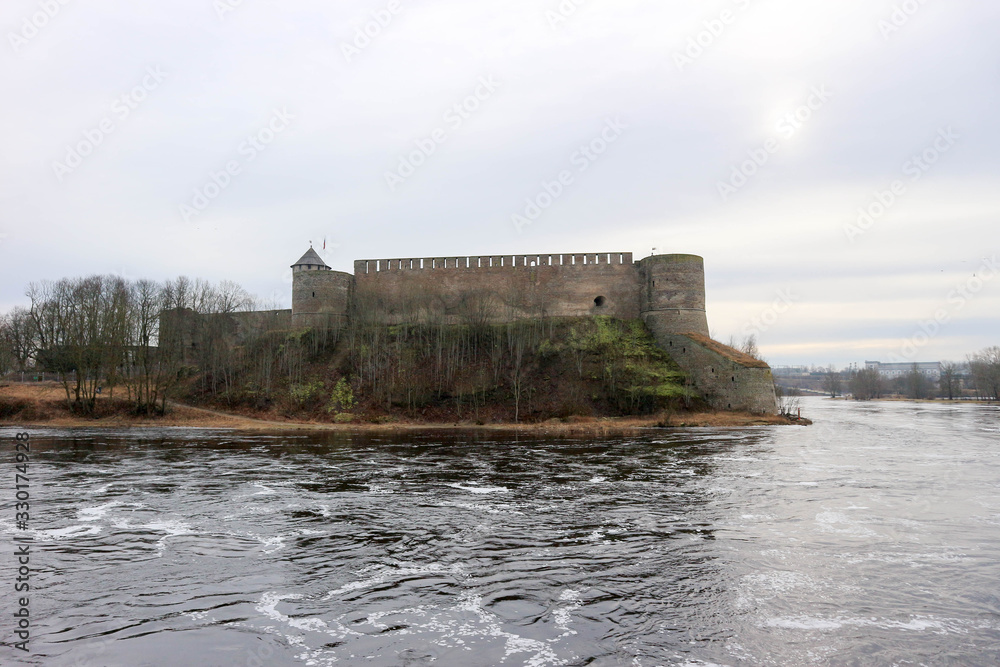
[(463, 625), (513, 644), (69, 531), (803, 623), (375, 488), (837, 522), (915, 624), (97, 512), (598, 480), (489, 509), (268, 606), (563, 614), (269, 544), (384, 574), (481, 489), (774, 583), (912, 560), (170, 528)]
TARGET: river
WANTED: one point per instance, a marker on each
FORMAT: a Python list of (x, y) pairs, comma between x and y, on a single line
[(869, 538)]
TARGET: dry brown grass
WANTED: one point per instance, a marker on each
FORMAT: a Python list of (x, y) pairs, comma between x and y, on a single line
[(44, 404)]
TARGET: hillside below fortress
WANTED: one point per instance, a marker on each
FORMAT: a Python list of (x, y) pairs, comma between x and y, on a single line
[(666, 292)]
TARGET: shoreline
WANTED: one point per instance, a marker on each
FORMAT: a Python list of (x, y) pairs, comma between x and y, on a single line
[(189, 416)]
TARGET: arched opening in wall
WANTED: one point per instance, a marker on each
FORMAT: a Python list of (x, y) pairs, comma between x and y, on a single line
[(314, 295), (599, 301)]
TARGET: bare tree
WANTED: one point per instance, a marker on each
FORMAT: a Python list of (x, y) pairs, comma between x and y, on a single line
[(832, 383), (984, 367), (749, 346), (948, 382), (19, 338), (866, 384), (917, 385)]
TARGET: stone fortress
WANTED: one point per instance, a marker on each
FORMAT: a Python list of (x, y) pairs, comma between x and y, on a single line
[(667, 292)]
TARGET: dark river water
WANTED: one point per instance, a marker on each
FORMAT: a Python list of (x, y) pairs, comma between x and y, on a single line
[(870, 538)]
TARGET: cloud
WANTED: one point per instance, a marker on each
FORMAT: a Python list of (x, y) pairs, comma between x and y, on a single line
[(560, 83)]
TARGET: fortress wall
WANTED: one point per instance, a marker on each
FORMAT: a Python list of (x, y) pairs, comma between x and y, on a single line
[(185, 327), (318, 296), (504, 287), (250, 323), (673, 294), (726, 378)]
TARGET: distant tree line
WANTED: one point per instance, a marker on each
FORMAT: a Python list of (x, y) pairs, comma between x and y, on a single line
[(102, 334), (982, 380)]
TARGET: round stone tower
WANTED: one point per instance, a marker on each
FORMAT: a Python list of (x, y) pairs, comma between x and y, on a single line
[(672, 299), (320, 295)]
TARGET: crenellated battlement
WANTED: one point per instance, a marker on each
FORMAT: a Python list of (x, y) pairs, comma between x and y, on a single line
[(491, 262)]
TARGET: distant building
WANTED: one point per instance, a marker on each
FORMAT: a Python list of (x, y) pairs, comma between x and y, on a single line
[(931, 369), (790, 371)]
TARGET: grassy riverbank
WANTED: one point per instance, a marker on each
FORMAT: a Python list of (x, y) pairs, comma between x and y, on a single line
[(44, 405)]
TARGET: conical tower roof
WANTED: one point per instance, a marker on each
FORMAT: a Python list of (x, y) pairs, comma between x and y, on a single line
[(311, 258)]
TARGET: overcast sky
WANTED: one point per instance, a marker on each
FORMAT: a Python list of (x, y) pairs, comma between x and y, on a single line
[(121, 118)]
